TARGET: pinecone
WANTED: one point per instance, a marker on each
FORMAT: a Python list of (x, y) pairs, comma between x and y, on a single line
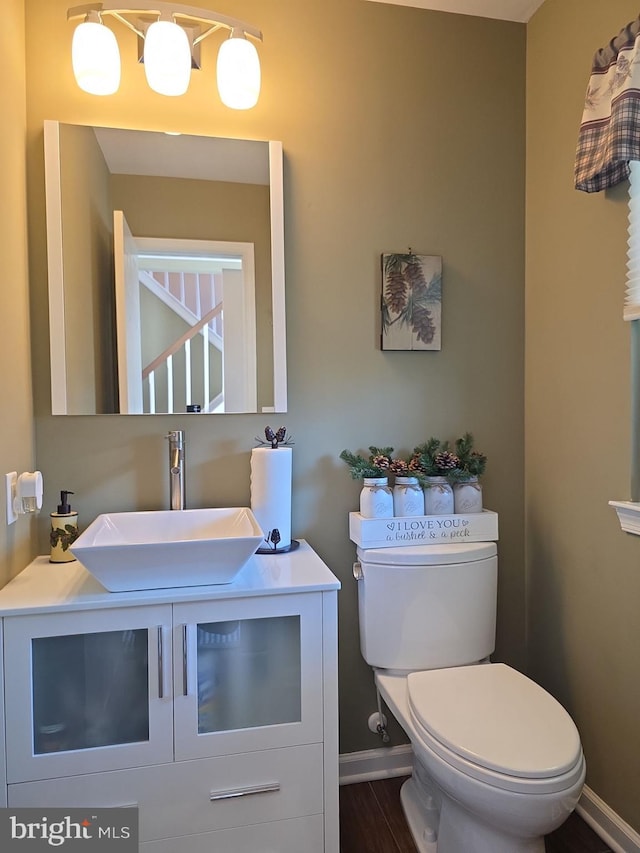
[(381, 461), (399, 467), (415, 464), (396, 291), (446, 461), (414, 274), (422, 321), (423, 324)]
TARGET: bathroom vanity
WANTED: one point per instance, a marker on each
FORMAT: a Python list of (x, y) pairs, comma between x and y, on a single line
[(213, 709)]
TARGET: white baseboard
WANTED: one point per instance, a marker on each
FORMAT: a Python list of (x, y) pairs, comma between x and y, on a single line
[(620, 837), (384, 763)]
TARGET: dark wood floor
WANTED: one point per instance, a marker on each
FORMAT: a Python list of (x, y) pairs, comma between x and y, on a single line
[(372, 821)]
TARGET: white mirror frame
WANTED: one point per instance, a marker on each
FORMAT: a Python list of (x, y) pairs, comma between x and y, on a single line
[(57, 339)]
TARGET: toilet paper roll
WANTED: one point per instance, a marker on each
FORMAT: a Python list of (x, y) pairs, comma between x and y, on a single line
[(271, 492)]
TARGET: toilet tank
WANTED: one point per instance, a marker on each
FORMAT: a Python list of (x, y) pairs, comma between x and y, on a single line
[(427, 606)]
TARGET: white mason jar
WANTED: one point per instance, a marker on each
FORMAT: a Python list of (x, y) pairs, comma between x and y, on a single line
[(438, 496), (408, 497), (467, 496), (376, 498)]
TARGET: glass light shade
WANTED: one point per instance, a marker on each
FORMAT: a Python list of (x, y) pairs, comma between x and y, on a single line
[(167, 58), (238, 73), (95, 58)]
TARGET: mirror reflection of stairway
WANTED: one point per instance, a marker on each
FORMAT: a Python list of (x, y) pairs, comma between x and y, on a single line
[(195, 298)]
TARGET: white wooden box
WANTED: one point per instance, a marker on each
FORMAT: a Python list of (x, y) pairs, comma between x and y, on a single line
[(423, 529)]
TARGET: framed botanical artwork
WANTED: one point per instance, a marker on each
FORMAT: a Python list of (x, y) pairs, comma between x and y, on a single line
[(411, 302)]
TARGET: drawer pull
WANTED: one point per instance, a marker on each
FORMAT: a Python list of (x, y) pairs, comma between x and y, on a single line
[(244, 792), (185, 661), (160, 664)]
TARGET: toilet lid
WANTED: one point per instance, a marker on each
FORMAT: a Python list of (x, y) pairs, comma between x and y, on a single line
[(495, 718)]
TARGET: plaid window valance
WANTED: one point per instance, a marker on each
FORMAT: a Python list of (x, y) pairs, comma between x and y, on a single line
[(610, 129)]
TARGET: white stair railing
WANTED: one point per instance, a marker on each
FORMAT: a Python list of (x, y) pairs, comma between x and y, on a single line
[(165, 359), (196, 293)]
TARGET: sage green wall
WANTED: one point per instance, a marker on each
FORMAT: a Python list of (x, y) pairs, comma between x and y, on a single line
[(16, 424), (401, 127), (583, 573)]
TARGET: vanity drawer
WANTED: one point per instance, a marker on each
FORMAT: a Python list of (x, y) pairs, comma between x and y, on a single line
[(279, 836), (191, 797)]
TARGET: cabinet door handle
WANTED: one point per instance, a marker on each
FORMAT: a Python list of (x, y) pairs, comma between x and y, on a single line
[(160, 664), (232, 793), (185, 661)]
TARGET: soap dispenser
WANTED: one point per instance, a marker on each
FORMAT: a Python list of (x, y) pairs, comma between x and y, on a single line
[(64, 530)]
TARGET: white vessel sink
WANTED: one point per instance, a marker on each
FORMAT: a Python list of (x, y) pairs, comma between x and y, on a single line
[(155, 550)]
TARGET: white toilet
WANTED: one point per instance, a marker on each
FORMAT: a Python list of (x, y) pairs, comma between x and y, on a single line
[(497, 761)]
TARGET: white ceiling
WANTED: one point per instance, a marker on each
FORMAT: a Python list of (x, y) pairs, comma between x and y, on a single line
[(507, 10), (147, 152)]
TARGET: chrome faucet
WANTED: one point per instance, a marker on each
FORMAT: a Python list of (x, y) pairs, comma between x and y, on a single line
[(176, 469)]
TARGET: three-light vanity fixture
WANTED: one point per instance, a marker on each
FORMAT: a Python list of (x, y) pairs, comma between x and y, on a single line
[(170, 36)]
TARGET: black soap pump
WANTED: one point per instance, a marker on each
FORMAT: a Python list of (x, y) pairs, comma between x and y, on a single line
[(64, 530)]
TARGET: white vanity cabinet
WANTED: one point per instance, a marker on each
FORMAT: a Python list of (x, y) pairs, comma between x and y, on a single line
[(3, 763), (212, 709)]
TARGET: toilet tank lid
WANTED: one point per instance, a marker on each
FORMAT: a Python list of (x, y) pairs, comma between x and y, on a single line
[(428, 555), (497, 718)]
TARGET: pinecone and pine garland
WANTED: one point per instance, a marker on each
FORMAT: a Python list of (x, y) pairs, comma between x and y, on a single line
[(471, 463), (376, 465), (433, 458)]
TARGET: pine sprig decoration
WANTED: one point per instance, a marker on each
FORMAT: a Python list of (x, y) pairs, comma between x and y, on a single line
[(381, 457), (423, 458), (472, 463), (477, 463), (464, 445), (376, 465), (433, 459), (430, 447)]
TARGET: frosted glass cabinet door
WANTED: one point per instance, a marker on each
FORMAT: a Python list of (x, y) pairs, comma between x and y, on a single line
[(89, 691), (250, 674)]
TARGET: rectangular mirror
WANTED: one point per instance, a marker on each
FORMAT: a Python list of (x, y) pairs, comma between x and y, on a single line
[(166, 272)]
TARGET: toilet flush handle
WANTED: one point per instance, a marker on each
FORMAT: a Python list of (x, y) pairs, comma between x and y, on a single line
[(357, 571)]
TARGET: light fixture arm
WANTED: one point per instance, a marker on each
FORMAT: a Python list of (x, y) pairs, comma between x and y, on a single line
[(192, 13), (206, 33), (128, 24)]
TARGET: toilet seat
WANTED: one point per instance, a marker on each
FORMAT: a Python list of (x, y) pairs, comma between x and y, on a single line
[(496, 725)]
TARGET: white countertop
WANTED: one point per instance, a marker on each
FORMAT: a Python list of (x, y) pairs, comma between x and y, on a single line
[(45, 586)]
